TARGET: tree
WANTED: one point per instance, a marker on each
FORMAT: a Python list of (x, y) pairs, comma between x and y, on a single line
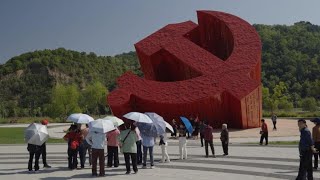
[(93, 98), (64, 101), (309, 104)]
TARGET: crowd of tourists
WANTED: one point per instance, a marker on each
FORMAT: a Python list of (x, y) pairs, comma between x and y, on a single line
[(136, 146)]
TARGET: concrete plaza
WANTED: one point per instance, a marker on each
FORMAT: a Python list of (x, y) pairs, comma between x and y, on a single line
[(251, 161), (244, 162)]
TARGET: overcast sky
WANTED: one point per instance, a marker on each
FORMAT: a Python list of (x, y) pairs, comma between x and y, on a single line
[(111, 27)]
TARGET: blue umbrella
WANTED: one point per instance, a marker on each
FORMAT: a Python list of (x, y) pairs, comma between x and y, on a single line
[(156, 128), (187, 124)]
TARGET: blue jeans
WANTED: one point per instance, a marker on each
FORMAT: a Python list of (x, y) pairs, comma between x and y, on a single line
[(145, 153)]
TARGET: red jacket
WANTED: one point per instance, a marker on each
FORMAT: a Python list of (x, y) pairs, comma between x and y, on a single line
[(208, 133), (74, 139), (264, 127)]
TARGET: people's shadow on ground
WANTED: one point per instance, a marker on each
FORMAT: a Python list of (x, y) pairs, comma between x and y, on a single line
[(41, 171), (78, 176), (87, 175)]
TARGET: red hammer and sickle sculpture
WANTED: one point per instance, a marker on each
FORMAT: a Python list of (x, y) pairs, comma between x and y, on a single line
[(211, 70)]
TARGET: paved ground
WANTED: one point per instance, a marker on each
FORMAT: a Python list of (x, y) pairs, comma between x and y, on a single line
[(244, 162)]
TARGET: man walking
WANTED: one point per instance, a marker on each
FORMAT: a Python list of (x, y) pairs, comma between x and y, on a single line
[(264, 132), (306, 148), (316, 139), (224, 137), (208, 138), (274, 121)]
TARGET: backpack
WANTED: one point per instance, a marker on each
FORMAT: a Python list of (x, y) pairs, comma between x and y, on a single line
[(74, 145)]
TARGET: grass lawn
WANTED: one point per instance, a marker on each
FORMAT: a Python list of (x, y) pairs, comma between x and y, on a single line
[(16, 136)]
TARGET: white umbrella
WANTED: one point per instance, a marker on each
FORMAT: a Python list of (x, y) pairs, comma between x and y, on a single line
[(80, 118), (157, 116), (116, 121), (101, 126), (138, 117), (36, 134)]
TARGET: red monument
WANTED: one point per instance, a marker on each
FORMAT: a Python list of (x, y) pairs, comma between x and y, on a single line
[(211, 70)]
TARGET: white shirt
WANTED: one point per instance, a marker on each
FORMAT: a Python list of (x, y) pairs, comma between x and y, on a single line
[(96, 140)]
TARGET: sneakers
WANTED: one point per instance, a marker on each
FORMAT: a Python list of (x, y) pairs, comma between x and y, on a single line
[(144, 167), (128, 172), (135, 172)]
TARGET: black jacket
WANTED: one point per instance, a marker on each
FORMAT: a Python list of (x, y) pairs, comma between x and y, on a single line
[(33, 148)]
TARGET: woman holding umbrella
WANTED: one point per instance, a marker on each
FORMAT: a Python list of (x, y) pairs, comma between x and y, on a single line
[(127, 142), (185, 127)]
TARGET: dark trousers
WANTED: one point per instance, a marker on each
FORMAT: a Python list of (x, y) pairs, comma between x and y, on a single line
[(36, 163), (72, 158), (83, 148), (139, 152), (81, 155), (264, 136), (316, 156), (274, 124), (174, 134), (211, 146), (145, 153), (305, 167), (98, 154), (225, 147), (201, 139), (133, 157), (113, 155), (44, 153)]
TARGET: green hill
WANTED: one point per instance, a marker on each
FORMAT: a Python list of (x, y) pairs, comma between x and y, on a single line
[(27, 81), (31, 83), (291, 62)]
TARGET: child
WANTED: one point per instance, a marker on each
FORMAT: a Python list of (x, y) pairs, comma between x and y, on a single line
[(164, 144), (74, 139), (34, 150)]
